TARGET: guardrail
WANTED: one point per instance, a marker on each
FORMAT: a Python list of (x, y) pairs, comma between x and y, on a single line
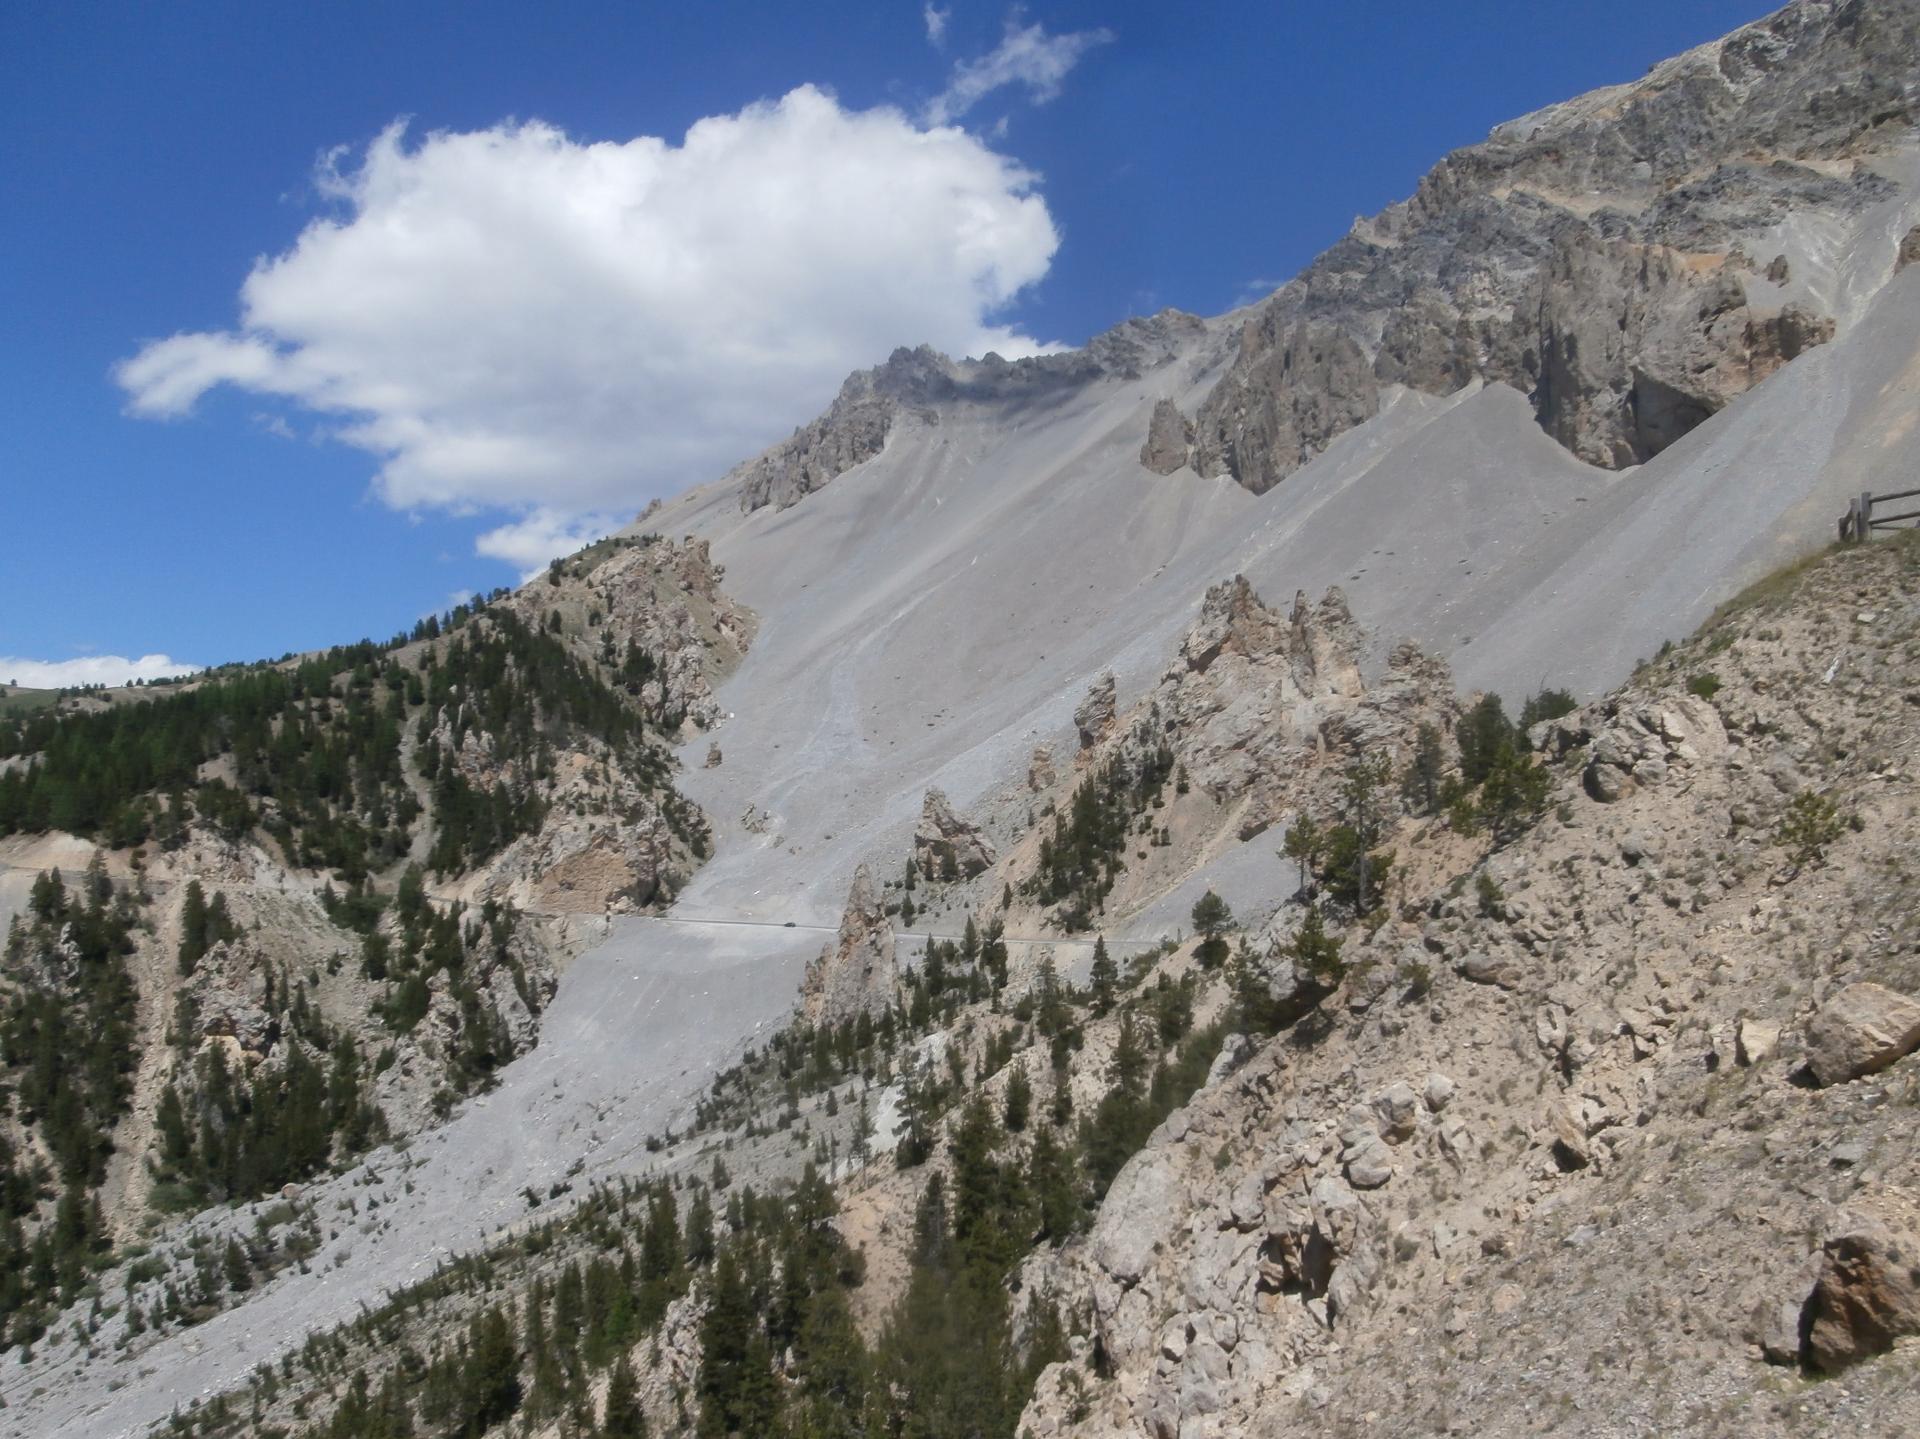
[(1861, 520)]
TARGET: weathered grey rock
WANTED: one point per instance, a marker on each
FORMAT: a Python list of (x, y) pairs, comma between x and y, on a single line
[(1145, 1203), (1371, 1164), (1397, 1109), (1861, 1030), (1628, 322), (946, 846), (1570, 1141), (1868, 1292), (853, 430), (1909, 250), (859, 974), (1756, 1041), (1296, 387), (1483, 968), (1169, 437), (1095, 715), (1040, 771), (1438, 1092)]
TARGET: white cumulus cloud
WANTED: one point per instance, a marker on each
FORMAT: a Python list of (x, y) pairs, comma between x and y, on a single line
[(1026, 56), (89, 670), (514, 318)]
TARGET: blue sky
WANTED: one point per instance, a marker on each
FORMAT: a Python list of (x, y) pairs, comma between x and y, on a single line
[(516, 319)]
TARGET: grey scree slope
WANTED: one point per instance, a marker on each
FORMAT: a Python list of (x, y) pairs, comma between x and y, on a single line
[(932, 614)]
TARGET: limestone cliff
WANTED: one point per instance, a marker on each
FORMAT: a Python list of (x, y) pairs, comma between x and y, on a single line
[(1627, 259)]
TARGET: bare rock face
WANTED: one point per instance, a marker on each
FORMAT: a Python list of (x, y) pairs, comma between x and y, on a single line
[(583, 861), (662, 599), (1909, 250), (1259, 701), (1094, 718), (853, 430), (1635, 745), (859, 974), (1594, 255), (1040, 771), (1861, 1030), (946, 846), (1868, 1293), (1296, 387), (1169, 437)]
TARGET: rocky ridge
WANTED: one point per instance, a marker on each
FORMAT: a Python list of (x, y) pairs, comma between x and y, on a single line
[(1631, 260), (1627, 259), (1575, 1100), (859, 973), (913, 384)]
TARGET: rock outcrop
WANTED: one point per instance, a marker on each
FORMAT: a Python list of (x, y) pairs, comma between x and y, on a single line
[(1868, 1292), (1169, 438), (916, 384), (1596, 1150), (1594, 255), (946, 846), (1094, 716), (651, 597), (1860, 1031), (1262, 708), (859, 973)]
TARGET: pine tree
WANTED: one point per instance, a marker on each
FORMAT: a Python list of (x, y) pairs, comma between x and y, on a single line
[(1102, 979), (1211, 916), (1420, 785), (193, 927), (1304, 844), (1019, 1100), (624, 1418)]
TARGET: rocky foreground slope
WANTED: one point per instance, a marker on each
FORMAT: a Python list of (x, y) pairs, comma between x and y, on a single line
[(1606, 1128)]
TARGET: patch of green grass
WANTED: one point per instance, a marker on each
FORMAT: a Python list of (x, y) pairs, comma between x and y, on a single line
[(1771, 590), (25, 701)]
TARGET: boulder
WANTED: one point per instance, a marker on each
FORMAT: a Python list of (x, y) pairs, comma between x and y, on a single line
[(1909, 250), (1397, 1109), (1868, 1292), (1861, 1030), (1146, 1203), (1483, 968), (1570, 1146), (946, 846), (1756, 1041), (1369, 1164)]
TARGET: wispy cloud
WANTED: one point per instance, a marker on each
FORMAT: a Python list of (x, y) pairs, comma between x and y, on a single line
[(1254, 291), (1026, 56), (89, 670), (529, 542), (936, 19)]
